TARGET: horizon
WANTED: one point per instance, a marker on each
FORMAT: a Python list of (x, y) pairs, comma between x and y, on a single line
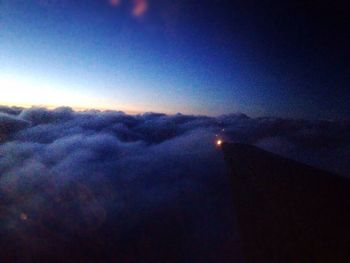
[(135, 113)]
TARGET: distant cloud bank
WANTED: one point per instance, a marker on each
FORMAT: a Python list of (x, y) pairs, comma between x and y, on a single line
[(69, 176), (324, 144)]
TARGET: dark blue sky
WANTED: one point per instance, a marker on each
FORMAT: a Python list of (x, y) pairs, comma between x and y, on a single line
[(280, 58)]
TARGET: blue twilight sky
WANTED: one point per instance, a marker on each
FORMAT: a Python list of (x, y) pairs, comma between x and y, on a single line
[(199, 57)]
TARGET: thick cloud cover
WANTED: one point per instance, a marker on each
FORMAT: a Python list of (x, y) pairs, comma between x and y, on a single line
[(114, 186)]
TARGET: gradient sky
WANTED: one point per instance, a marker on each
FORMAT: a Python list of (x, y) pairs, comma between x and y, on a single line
[(284, 58)]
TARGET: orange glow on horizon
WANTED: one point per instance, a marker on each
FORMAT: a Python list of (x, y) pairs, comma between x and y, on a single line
[(32, 91), (29, 92), (75, 108)]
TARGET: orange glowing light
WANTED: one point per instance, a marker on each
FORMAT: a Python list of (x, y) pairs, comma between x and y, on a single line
[(219, 142)]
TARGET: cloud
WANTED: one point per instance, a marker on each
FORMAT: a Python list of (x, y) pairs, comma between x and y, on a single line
[(10, 124), (106, 184), (10, 110)]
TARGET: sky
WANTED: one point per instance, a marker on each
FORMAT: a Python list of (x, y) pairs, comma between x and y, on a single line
[(288, 59)]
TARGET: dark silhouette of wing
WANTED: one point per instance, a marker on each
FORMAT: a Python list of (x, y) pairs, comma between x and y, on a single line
[(288, 211)]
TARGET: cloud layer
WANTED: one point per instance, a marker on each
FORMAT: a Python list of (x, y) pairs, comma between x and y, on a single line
[(115, 186)]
